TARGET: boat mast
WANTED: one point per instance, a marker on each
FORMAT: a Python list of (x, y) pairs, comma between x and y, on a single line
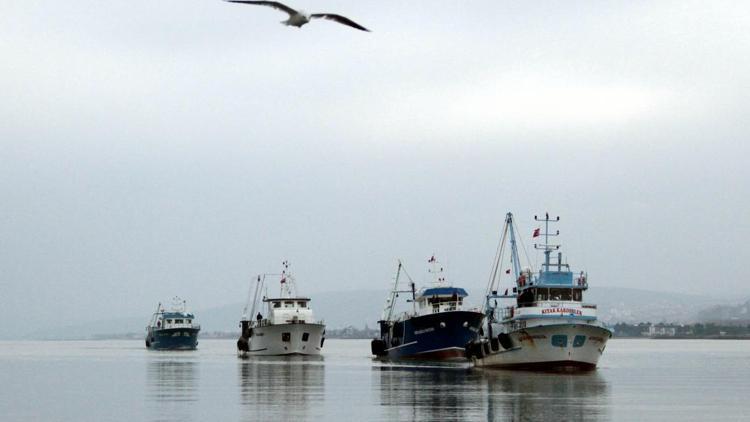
[(255, 298), (286, 279), (513, 248), (492, 285), (547, 247), (155, 316), (438, 280), (390, 301)]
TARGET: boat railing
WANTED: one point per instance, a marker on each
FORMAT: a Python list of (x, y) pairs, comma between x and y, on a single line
[(447, 306), (173, 325), (260, 323), (266, 322), (556, 303)]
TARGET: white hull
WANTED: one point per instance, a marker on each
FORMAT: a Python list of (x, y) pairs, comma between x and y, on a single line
[(533, 348), (271, 340)]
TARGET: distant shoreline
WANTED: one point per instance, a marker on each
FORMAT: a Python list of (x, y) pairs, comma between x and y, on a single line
[(232, 337)]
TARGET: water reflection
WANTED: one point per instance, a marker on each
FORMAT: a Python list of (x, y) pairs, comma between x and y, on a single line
[(172, 388), (521, 396), (280, 387), (418, 394)]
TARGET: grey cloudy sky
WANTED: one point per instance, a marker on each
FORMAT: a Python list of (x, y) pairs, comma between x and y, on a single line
[(153, 148)]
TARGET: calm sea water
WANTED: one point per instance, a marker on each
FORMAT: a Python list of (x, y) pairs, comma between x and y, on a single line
[(121, 381)]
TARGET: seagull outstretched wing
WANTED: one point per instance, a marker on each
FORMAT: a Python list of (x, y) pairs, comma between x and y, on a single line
[(338, 18), (276, 5)]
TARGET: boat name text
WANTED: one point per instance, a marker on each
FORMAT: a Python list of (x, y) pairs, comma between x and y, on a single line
[(562, 311)]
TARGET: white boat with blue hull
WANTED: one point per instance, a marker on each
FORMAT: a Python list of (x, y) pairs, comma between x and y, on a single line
[(174, 329), (288, 326), (543, 323), (438, 327)]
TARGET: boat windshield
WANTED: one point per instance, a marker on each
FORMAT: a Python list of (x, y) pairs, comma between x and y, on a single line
[(529, 296)]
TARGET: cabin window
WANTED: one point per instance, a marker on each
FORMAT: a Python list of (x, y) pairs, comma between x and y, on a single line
[(559, 340), (302, 304), (440, 300), (560, 294), (305, 336), (578, 341), (277, 304), (286, 337), (189, 321), (169, 321), (577, 295), (525, 298), (178, 321), (542, 293), (288, 304)]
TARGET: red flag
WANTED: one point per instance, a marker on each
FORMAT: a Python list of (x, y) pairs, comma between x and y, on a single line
[(507, 271), (536, 232)]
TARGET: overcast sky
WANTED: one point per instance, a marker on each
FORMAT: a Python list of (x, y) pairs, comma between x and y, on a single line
[(178, 147)]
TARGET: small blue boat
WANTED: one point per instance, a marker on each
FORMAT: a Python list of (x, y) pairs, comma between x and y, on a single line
[(174, 329), (438, 328)]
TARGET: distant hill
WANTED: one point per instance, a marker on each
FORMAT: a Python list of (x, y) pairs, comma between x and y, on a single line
[(341, 309), (338, 309), (618, 304), (727, 315)]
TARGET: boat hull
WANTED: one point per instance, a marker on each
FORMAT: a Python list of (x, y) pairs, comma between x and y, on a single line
[(283, 339), (172, 339), (559, 347), (440, 336)]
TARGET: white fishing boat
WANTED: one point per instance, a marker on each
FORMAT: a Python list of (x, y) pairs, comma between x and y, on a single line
[(541, 323), (286, 326)]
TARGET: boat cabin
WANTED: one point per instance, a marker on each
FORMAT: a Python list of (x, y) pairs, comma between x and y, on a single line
[(550, 286), (170, 319), (176, 320), (440, 299), (286, 310)]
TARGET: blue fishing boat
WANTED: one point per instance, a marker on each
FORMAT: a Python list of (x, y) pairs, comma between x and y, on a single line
[(174, 329), (438, 327)]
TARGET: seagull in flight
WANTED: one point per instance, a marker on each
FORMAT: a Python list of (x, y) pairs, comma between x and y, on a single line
[(299, 18)]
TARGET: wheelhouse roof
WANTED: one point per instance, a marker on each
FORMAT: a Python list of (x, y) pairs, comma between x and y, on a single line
[(177, 315), (443, 291), (281, 299)]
